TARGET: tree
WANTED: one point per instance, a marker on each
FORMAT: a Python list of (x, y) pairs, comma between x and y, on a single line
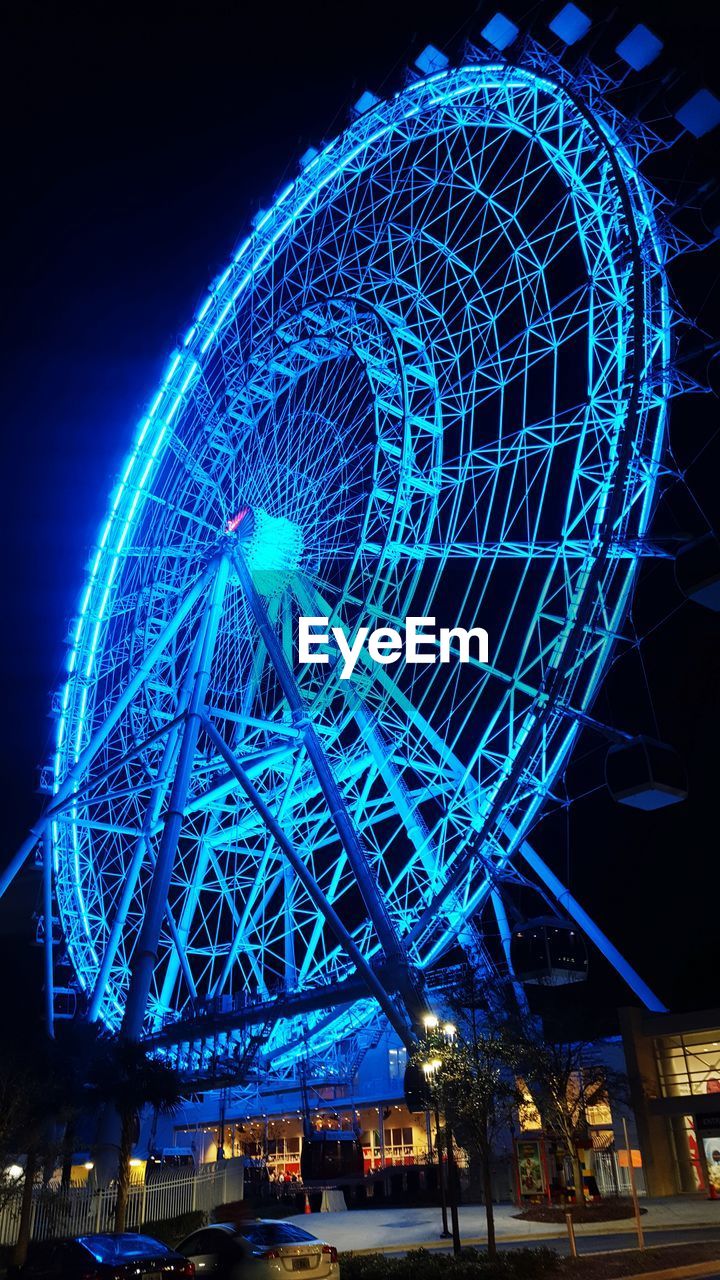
[(30, 1098), (127, 1079), (565, 1078), (474, 1079)]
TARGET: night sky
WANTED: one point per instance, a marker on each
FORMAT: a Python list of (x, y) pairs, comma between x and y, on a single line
[(139, 141)]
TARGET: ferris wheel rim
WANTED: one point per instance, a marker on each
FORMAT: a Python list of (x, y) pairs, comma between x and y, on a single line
[(178, 380)]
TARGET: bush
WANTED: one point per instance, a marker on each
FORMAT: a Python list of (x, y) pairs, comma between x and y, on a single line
[(420, 1264), (171, 1231)]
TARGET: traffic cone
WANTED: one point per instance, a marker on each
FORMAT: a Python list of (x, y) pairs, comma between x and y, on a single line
[(307, 1203)]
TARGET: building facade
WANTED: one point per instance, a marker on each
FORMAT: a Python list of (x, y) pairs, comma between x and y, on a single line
[(673, 1067), (269, 1128)]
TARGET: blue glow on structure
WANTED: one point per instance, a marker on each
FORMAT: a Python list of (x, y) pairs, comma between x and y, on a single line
[(570, 24), (699, 114), (155, 434), (500, 32), (639, 48)]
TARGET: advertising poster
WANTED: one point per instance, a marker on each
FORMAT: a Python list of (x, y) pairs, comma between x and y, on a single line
[(530, 1170), (712, 1158)]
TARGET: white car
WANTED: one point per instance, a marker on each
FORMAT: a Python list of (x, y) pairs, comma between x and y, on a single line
[(264, 1247)]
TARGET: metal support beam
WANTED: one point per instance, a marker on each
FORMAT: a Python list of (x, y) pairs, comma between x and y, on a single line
[(143, 842), (145, 955), (48, 938), (505, 937), (314, 891), (571, 905), (85, 759), (367, 884)]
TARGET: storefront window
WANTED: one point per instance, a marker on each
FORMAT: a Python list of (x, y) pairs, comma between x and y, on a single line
[(689, 1064), (687, 1154), (397, 1061)]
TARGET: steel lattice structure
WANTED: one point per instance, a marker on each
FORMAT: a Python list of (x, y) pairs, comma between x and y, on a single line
[(435, 376)]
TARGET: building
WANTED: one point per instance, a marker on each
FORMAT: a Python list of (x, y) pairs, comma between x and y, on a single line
[(673, 1066), (269, 1127)]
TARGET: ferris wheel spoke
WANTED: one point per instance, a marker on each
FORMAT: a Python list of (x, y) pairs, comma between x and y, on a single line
[(422, 841), (514, 549), (142, 847), (101, 734), (312, 599), (156, 906), (246, 922), (318, 897), (356, 854), (433, 374)]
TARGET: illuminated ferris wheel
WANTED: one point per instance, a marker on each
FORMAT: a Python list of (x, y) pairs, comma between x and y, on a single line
[(431, 383)]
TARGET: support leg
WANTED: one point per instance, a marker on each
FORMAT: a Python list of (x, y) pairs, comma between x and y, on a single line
[(571, 905), (375, 906), (505, 936), (71, 780), (48, 938), (314, 891), (146, 952), (142, 844)]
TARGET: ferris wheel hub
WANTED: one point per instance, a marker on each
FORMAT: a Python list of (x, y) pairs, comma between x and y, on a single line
[(271, 546)]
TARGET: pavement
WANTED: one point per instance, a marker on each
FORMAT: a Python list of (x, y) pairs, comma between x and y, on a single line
[(667, 1221)]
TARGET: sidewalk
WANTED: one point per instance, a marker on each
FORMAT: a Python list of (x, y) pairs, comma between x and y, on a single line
[(379, 1229)]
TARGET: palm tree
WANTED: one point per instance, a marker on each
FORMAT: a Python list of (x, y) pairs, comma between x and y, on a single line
[(127, 1079), (30, 1096)]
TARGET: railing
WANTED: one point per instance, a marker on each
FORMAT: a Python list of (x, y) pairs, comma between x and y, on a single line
[(613, 1178), (84, 1210)]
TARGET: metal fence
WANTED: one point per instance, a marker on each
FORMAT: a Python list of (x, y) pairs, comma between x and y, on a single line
[(613, 1178), (84, 1209)]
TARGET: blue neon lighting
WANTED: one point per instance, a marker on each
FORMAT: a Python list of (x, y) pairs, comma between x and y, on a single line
[(570, 24), (500, 32), (639, 48), (699, 114), (144, 499)]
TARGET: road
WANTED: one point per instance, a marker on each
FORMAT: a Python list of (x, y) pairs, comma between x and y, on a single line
[(618, 1240)]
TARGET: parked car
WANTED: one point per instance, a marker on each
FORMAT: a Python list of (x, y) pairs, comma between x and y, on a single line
[(261, 1248), (105, 1257)]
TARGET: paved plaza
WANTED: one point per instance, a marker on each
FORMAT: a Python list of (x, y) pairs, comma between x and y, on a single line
[(386, 1229)]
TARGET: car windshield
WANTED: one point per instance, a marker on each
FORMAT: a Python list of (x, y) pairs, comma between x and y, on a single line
[(125, 1248), (277, 1233)]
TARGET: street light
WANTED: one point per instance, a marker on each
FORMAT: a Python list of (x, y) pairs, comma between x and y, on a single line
[(430, 1070)]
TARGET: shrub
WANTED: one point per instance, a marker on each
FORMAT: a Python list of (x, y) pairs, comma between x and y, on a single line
[(171, 1231), (421, 1264)]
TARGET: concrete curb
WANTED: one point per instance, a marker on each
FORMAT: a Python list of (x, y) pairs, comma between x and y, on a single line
[(467, 1241), (479, 1241), (676, 1273)]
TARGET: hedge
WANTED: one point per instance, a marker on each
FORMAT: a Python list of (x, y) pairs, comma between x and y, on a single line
[(421, 1264), (171, 1231)]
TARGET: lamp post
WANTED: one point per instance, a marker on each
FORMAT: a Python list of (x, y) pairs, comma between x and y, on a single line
[(428, 1072), (431, 1070)]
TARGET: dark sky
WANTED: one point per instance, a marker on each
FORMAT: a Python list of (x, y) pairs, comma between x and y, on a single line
[(139, 140)]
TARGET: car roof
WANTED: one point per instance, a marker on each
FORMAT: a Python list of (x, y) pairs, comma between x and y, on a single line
[(237, 1228)]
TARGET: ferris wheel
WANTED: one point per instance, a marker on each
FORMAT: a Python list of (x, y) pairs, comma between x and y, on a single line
[(432, 384)]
